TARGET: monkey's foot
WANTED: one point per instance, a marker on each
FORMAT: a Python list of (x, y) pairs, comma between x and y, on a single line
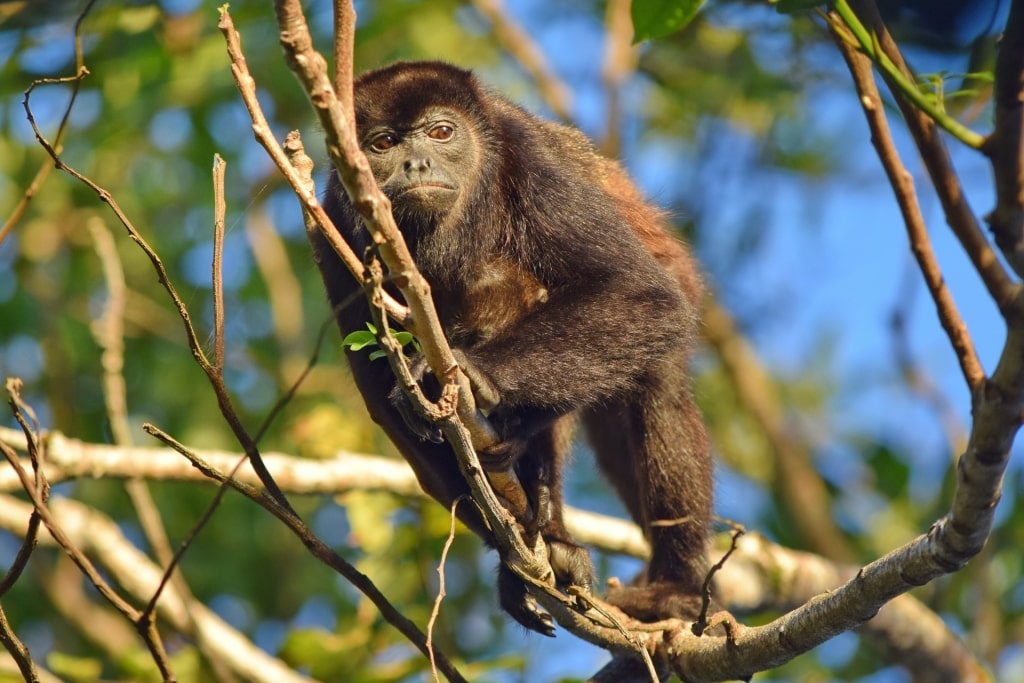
[(571, 564), (655, 601)]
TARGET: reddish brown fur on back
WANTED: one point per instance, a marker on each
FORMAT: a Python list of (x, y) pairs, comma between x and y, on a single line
[(649, 223)]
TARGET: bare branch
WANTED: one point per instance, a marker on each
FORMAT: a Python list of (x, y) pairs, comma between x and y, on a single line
[(760, 576), (959, 215), (12, 643), (145, 626), (903, 186), (44, 169), (94, 532), (302, 186), (316, 546), (1005, 147), (219, 209)]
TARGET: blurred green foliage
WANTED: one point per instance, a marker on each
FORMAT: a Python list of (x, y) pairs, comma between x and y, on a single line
[(159, 102)]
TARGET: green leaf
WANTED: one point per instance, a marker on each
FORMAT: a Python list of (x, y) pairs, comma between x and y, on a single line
[(660, 18), (359, 340)]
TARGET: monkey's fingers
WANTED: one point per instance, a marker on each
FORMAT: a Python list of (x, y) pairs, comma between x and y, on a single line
[(424, 429), (485, 393)]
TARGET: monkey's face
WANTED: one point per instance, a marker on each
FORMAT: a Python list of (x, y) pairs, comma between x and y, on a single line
[(420, 165)]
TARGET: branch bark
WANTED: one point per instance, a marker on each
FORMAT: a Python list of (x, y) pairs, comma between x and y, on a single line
[(98, 535), (759, 577), (1005, 146)]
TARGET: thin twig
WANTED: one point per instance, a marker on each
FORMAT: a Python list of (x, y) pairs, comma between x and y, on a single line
[(903, 186), (219, 209), (436, 609), (307, 196), (702, 624), (109, 333), (12, 643), (145, 626), (97, 534), (959, 214), (81, 71), (317, 547)]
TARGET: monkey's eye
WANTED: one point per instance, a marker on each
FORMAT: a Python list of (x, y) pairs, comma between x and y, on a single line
[(383, 142), (442, 132)]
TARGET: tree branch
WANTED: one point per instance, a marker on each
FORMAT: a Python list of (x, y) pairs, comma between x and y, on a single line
[(959, 215), (1005, 146), (95, 533), (903, 187), (759, 577)]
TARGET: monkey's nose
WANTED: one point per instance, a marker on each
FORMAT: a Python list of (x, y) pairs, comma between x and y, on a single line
[(417, 165)]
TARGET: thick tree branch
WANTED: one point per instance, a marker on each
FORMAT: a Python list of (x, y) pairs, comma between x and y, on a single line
[(98, 535), (760, 577)]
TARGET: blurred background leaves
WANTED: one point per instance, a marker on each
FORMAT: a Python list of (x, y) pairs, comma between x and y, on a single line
[(743, 125)]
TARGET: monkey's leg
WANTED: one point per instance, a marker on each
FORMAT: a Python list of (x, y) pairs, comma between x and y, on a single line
[(539, 470), (654, 450)]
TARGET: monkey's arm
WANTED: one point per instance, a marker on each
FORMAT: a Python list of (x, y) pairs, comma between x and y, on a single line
[(587, 342)]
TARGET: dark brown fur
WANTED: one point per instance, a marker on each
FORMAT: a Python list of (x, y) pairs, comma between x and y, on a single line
[(559, 286)]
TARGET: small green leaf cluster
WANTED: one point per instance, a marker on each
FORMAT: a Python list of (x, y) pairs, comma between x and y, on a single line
[(360, 339)]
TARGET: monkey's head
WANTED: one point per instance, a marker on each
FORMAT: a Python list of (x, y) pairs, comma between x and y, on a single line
[(421, 126)]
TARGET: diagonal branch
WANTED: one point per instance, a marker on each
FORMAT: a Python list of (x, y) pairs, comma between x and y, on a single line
[(903, 186), (1005, 147), (318, 548), (144, 625), (959, 215), (96, 533)]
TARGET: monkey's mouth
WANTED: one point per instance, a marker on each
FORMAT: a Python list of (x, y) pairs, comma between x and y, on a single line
[(426, 187)]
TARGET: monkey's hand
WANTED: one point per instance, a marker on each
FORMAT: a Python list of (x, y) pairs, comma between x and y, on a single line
[(417, 424), (484, 391)]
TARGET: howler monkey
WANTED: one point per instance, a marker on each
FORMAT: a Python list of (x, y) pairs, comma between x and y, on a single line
[(557, 286)]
